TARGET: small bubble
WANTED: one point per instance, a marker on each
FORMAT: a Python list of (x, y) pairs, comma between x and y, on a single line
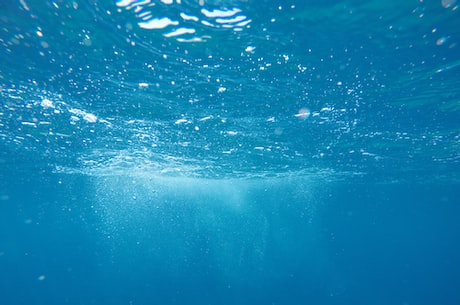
[(143, 85), (87, 41), (448, 3), (303, 113), (250, 49), (441, 41)]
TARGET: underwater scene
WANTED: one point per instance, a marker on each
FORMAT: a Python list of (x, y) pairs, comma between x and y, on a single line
[(229, 152)]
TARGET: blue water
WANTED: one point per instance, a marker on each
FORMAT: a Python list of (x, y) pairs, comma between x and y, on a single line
[(229, 152)]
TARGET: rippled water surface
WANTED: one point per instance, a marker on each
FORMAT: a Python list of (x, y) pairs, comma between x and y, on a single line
[(225, 88)]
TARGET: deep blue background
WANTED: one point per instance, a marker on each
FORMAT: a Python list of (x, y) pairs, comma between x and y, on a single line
[(363, 244)]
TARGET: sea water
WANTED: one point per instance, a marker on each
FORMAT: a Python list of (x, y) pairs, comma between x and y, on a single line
[(229, 152)]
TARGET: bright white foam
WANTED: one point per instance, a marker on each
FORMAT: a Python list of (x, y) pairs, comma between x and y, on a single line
[(194, 39), (231, 20), (189, 17), (131, 3), (220, 13), (156, 23), (180, 31)]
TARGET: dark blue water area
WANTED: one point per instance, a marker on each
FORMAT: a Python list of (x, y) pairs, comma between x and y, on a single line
[(73, 239)]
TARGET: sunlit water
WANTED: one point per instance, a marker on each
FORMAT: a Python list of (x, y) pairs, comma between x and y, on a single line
[(229, 152)]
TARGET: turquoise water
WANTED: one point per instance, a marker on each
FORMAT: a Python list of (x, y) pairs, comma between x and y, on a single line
[(229, 152)]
